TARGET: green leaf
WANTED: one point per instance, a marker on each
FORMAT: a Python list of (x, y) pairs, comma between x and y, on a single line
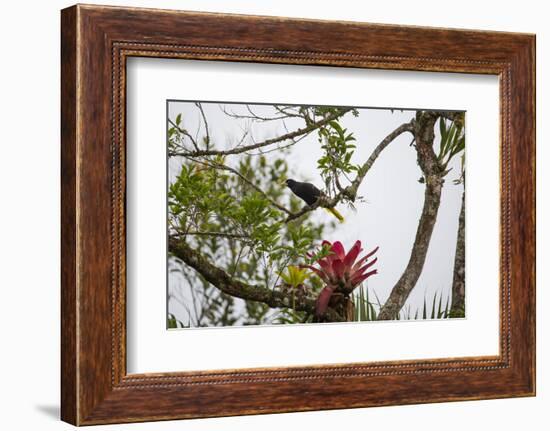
[(334, 124), (424, 311), (442, 128), (433, 307)]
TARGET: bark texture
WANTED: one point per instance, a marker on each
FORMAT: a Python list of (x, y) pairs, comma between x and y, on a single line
[(458, 289), (239, 289), (433, 177)]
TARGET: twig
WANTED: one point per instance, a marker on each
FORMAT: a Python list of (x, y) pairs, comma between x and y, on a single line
[(253, 116), (207, 131), (185, 133), (218, 234), (296, 133), (406, 127)]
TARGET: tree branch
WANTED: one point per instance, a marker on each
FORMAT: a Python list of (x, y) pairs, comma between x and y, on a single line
[(322, 201), (185, 133), (236, 288), (406, 127), (305, 130), (207, 130), (433, 175), (216, 234), (255, 117), (350, 192)]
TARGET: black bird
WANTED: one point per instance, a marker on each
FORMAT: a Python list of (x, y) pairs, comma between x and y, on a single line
[(309, 194)]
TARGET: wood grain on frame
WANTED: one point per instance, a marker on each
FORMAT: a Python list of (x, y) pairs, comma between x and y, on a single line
[(95, 42)]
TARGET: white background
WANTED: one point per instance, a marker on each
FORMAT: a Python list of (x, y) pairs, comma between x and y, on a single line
[(153, 349), (29, 227)]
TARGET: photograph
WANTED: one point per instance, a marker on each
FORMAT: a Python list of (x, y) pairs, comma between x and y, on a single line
[(306, 214)]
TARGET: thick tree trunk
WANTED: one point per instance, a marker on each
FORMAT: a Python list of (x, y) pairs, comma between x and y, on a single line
[(458, 289), (433, 177)]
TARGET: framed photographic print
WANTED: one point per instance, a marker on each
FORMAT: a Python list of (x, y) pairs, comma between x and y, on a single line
[(258, 208)]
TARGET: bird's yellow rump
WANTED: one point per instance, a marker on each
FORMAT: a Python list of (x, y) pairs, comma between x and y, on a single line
[(336, 214)]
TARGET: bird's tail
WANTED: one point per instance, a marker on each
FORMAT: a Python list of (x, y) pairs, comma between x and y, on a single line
[(336, 214)]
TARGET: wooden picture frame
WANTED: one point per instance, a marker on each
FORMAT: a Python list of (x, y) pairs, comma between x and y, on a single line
[(95, 43)]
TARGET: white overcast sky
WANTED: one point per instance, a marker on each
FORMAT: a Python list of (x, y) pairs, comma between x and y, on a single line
[(394, 196)]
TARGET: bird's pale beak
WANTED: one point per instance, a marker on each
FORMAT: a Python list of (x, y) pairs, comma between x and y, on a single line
[(282, 182)]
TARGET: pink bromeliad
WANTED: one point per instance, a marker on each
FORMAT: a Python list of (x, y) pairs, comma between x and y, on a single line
[(341, 272)]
